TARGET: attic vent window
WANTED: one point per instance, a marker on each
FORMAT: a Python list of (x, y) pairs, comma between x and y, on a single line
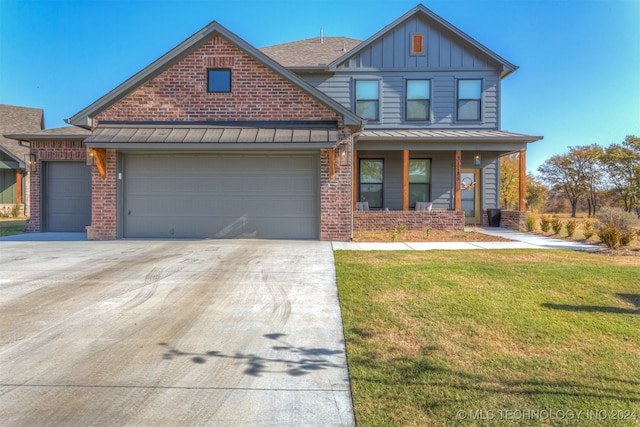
[(417, 44), (219, 80)]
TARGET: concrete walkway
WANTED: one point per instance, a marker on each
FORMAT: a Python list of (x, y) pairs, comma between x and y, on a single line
[(518, 240)]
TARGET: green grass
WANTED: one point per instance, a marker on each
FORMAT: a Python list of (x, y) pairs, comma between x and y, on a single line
[(473, 337), (11, 227)]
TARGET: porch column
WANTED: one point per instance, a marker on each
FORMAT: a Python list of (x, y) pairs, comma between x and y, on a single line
[(405, 180), (457, 165), (355, 180), (522, 199), (18, 186)]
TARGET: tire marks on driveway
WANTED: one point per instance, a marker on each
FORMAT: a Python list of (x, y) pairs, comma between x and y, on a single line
[(172, 333)]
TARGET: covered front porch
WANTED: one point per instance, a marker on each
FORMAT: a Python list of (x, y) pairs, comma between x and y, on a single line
[(454, 174), (11, 184)]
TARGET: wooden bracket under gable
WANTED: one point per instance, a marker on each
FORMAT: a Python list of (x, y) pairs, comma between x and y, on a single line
[(100, 156)]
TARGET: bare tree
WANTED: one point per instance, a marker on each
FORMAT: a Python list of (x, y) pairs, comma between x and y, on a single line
[(576, 174)]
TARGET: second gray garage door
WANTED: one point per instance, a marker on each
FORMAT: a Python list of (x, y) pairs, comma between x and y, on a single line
[(67, 196), (221, 196)]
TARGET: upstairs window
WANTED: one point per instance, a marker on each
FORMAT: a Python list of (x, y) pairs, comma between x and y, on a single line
[(469, 99), (218, 80), (371, 175), (419, 181), (418, 99), (367, 99), (417, 44)]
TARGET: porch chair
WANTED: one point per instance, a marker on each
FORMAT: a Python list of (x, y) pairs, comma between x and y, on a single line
[(424, 206)]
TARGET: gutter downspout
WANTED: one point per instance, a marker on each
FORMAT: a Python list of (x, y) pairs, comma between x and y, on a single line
[(354, 140)]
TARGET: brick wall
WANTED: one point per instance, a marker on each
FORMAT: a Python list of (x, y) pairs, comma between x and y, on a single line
[(46, 151), (413, 220), (258, 94), (336, 197), (515, 220), (104, 198), (180, 92)]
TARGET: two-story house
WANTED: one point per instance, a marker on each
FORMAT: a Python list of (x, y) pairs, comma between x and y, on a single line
[(431, 98), (312, 139)]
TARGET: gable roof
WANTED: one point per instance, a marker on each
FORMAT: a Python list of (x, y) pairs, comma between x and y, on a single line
[(313, 53), (84, 118), (422, 11), (14, 119), (63, 133)]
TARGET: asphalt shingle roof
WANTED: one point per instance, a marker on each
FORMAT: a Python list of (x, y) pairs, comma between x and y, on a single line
[(14, 119), (310, 53)]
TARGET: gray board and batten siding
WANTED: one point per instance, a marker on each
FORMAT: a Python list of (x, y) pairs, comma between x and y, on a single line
[(447, 58)]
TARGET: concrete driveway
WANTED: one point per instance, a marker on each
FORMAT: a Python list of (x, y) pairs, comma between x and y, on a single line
[(158, 333)]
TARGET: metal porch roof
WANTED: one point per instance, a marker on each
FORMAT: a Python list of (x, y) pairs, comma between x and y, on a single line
[(445, 135), (161, 136)]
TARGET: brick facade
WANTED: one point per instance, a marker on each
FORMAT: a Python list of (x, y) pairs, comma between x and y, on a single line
[(413, 220), (258, 94), (514, 220), (180, 92), (104, 208), (336, 198), (49, 151)]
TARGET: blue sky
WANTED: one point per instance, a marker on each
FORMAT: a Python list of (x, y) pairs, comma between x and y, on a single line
[(578, 82)]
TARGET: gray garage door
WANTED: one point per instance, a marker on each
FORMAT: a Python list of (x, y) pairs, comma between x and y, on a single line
[(67, 196), (221, 196)]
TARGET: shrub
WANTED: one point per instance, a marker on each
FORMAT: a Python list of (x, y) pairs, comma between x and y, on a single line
[(571, 226), (588, 227), (626, 238), (545, 223), (609, 235), (556, 224), (530, 222), (615, 226), (15, 211)]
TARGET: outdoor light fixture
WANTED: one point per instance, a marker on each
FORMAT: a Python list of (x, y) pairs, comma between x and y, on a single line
[(30, 160), (477, 160), (344, 159), (91, 160)]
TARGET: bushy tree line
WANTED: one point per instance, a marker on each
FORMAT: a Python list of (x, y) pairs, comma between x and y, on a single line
[(589, 174)]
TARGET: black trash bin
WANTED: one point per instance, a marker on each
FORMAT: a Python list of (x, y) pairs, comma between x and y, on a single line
[(494, 217)]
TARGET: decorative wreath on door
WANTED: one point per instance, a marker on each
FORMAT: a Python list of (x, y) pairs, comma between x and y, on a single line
[(468, 183)]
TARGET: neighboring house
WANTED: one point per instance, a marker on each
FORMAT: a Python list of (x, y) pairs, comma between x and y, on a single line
[(219, 139), (14, 188), (59, 177)]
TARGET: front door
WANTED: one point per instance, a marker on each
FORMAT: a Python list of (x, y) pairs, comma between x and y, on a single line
[(470, 195)]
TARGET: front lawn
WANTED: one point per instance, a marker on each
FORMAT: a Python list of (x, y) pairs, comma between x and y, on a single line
[(466, 338), (10, 227)]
